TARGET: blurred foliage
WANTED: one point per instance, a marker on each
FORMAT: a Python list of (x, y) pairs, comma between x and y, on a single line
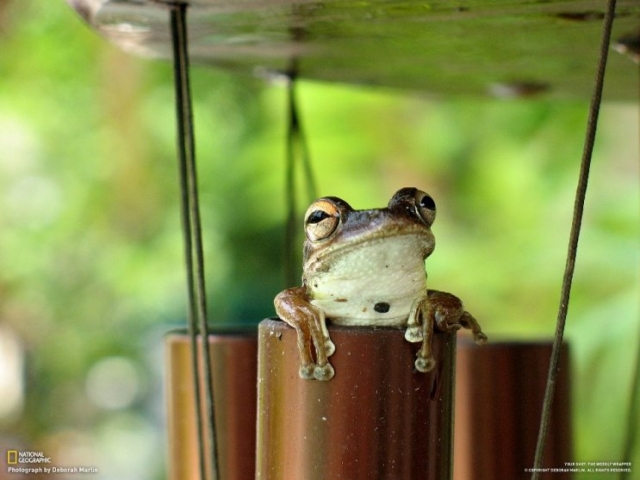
[(90, 245)]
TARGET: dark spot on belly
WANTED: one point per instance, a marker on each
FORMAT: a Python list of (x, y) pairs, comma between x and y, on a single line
[(341, 300), (382, 307)]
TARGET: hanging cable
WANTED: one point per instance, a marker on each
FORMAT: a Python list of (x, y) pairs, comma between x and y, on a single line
[(193, 249), (296, 148), (578, 209)]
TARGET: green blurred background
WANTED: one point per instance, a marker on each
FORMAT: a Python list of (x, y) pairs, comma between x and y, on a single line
[(91, 272)]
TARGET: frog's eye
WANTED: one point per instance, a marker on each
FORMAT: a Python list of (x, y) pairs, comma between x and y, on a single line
[(414, 202), (322, 220), (425, 207)]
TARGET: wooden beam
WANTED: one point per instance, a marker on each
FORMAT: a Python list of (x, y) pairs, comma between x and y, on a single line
[(503, 48)]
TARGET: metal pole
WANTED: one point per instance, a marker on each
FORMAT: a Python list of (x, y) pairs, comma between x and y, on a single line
[(234, 361), (376, 419), (499, 391)]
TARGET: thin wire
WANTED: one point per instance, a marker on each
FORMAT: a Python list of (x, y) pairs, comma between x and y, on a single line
[(193, 249), (290, 190), (296, 143), (309, 177), (578, 209), (634, 399)]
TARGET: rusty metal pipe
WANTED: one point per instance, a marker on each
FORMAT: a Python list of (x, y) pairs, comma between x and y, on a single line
[(233, 370), (499, 392), (376, 419)]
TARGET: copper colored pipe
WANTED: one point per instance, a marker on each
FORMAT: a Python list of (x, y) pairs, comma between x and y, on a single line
[(233, 369), (499, 393), (378, 418)]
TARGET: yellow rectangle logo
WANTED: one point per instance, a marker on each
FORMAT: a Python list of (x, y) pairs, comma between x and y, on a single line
[(12, 457)]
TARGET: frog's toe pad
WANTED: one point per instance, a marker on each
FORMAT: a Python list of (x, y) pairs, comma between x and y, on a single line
[(425, 364), (306, 371), (480, 338), (329, 347), (453, 327), (324, 372), (413, 334)]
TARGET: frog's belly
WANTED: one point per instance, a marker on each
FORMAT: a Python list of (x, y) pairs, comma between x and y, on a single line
[(377, 289)]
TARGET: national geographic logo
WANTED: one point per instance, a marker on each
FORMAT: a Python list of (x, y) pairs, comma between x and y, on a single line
[(27, 462), (19, 457)]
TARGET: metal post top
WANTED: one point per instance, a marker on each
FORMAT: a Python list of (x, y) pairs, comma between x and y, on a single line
[(506, 48)]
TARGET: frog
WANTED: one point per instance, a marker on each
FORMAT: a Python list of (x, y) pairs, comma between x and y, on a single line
[(366, 268)]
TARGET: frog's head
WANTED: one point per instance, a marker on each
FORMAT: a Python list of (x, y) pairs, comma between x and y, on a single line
[(333, 227)]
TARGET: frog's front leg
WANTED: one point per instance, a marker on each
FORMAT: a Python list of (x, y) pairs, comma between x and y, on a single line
[(293, 306), (414, 333), (420, 329), (467, 321), (445, 312), (425, 361), (450, 315)]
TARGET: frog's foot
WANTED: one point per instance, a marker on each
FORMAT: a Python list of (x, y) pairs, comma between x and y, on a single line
[(413, 334), (425, 361), (324, 372), (446, 322), (480, 338), (425, 365), (306, 372), (293, 306), (467, 321), (329, 347), (313, 371)]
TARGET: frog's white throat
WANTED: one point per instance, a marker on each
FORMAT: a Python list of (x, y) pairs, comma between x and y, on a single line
[(374, 285)]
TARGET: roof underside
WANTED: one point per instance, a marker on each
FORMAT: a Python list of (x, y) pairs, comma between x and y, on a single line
[(444, 47)]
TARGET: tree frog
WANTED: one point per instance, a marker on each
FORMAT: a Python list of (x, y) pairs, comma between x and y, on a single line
[(367, 268)]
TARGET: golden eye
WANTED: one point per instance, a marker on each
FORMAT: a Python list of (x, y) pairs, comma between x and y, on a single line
[(425, 207), (321, 220)]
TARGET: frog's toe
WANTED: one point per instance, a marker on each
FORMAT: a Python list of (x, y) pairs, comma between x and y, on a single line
[(324, 372), (425, 364), (329, 347), (413, 334), (480, 338), (307, 371), (453, 327)]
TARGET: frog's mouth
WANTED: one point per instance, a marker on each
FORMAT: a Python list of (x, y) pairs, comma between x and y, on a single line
[(410, 243)]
